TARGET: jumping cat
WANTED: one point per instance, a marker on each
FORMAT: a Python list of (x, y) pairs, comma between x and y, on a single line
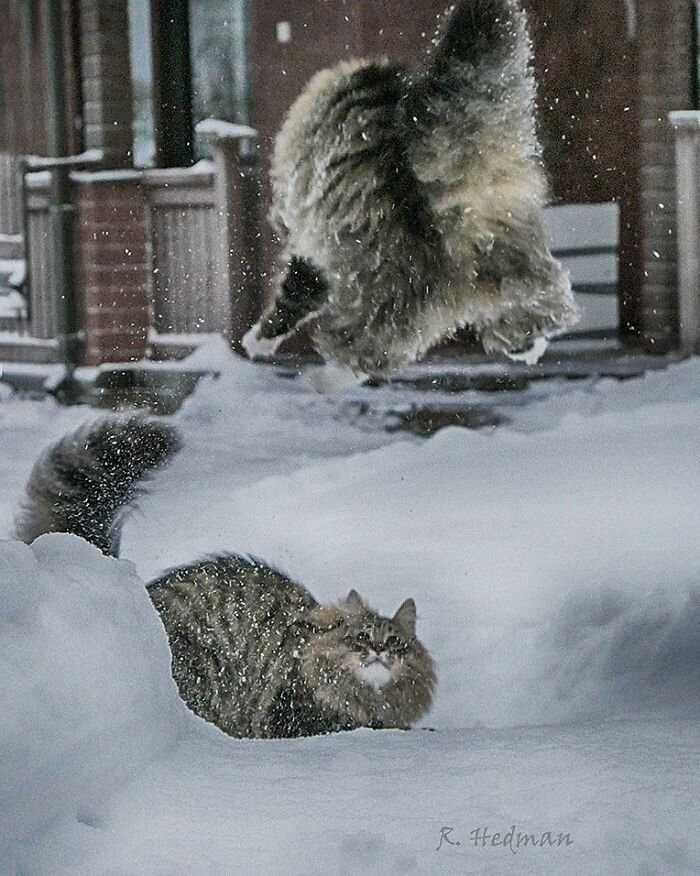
[(252, 651), (409, 204)]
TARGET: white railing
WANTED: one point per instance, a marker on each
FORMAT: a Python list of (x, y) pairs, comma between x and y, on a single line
[(687, 130), (10, 194), (41, 258)]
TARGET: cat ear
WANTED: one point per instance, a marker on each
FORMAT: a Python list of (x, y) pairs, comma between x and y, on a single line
[(354, 603), (405, 617)]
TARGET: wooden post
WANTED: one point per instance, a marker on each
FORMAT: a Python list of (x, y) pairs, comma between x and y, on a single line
[(237, 233), (687, 130)]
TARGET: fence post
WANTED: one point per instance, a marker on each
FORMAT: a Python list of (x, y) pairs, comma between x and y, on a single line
[(686, 125), (236, 247)]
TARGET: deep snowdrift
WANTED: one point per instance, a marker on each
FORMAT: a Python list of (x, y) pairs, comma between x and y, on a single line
[(105, 772), (554, 566), (554, 563), (85, 694)]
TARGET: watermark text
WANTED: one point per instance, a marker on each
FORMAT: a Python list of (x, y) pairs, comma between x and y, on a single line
[(513, 839)]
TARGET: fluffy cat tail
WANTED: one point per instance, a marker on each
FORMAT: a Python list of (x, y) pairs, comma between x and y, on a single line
[(477, 32), (85, 482), (477, 82)]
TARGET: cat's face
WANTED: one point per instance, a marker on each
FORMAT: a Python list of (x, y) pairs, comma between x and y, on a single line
[(370, 666), (376, 648)]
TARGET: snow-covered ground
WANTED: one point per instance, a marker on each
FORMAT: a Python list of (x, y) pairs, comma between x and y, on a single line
[(554, 564)]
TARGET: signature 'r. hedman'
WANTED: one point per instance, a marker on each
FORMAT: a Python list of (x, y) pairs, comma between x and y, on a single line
[(513, 839)]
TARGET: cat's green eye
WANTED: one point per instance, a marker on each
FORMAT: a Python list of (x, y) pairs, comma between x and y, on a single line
[(362, 638)]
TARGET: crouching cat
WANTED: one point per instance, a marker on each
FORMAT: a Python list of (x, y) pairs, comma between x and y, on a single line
[(252, 651)]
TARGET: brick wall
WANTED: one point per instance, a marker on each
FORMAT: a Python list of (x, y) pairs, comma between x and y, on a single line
[(666, 83), (113, 267), (113, 248), (106, 79)]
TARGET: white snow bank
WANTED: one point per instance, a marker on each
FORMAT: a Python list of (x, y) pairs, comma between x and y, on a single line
[(104, 772), (554, 564), (86, 698), (554, 567)]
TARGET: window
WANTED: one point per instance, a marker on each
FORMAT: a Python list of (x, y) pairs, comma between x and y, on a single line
[(219, 57), (141, 58), (218, 67)]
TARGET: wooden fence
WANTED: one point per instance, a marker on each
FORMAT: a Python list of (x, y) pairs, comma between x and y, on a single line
[(187, 294)]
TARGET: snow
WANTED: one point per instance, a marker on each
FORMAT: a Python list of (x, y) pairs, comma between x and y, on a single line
[(172, 175), (41, 163), (115, 175), (553, 560), (223, 130), (689, 119), (84, 682)]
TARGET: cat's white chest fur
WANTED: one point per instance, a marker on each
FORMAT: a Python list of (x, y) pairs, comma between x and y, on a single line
[(375, 674)]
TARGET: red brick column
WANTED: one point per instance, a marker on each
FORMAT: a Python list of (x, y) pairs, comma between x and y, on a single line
[(113, 266), (106, 80), (666, 65)]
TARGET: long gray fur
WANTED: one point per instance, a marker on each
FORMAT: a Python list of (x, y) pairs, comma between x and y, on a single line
[(84, 483), (410, 202), (252, 651)]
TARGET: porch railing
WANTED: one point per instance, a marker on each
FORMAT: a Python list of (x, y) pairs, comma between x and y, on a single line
[(687, 130), (201, 235), (10, 194), (187, 293)]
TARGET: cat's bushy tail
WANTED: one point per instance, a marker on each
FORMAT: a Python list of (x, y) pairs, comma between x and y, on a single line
[(85, 482), (476, 82), (477, 32)]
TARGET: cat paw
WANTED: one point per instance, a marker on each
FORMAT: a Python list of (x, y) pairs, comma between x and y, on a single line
[(532, 354), (332, 378), (257, 347)]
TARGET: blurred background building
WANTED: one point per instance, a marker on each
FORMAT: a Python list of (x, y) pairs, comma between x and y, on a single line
[(140, 230)]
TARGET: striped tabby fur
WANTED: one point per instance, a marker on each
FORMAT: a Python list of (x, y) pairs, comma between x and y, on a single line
[(252, 651), (409, 202)]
